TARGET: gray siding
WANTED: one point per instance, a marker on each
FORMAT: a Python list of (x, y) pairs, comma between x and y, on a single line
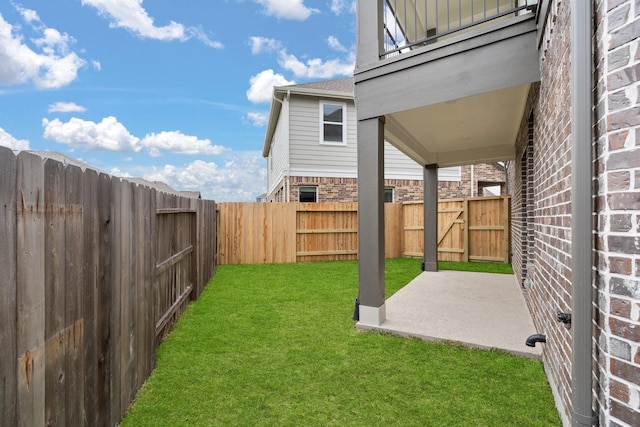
[(279, 154), (308, 156)]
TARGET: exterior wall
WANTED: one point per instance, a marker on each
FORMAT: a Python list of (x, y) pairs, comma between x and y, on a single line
[(337, 189), (307, 155), (540, 181), (278, 162), (541, 207), (617, 169)]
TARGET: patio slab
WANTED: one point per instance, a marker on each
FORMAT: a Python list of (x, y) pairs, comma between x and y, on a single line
[(480, 310)]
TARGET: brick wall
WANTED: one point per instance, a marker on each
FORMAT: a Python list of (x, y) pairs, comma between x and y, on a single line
[(617, 55), (540, 178), (544, 160), (346, 189)]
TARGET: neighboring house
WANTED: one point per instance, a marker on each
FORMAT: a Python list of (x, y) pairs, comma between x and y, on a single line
[(550, 86), (311, 151)]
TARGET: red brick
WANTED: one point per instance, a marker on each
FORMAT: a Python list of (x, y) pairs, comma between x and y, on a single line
[(624, 413), (619, 391), (627, 331), (620, 307), (624, 201), (618, 139), (618, 265)]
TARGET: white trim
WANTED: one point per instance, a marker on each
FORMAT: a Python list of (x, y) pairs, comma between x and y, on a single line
[(321, 104), (372, 316)]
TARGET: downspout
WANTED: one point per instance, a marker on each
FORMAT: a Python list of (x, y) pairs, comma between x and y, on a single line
[(471, 180), (581, 213), (288, 182)]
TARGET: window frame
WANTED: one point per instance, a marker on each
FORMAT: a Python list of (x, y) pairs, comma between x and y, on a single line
[(322, 139), (314, 187), (393, 194)]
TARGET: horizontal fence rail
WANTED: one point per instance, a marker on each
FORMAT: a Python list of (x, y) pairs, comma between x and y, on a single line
[(413, 23), (89, 267), (251, 233)]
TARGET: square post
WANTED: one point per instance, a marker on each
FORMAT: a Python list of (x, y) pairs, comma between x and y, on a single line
[(430, 257), (369, 32), (371, 221)]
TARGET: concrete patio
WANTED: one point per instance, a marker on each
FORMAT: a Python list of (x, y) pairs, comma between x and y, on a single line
[(480, 310)]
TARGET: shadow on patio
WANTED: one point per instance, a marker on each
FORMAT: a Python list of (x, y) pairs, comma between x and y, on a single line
[(480, 310)]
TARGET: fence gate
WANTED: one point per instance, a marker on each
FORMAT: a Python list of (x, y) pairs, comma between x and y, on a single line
[(176, 268)]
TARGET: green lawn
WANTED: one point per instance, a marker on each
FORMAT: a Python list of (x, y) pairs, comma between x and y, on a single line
[(274, 345)]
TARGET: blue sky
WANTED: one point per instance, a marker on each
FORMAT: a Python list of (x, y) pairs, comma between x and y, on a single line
[(166, 90)]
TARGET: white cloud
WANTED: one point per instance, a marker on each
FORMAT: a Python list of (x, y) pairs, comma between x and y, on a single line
[(200, 34), (258, 119), (262, 84), (315, 68), (335, 44), (339, 6), (131, 15), (109, 134), (29, 15), (177, 142), (263, 44), (96, 65), (66, 107), (54, 66), (242, 177), (6, 140), (287, 9)]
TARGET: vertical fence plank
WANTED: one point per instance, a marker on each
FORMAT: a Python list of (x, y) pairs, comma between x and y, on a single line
[(30, 290), (104, 308), (89, 293), (54, 270), (8, 308), (74, 281), (117, 289)]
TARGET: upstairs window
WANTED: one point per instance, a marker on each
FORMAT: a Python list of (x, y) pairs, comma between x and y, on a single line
[(333, 123), (308, 194)]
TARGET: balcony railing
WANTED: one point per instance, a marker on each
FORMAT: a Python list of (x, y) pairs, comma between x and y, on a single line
[(409, 24)]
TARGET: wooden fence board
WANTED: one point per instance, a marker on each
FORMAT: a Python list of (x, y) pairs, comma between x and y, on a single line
[(89, 293), (106, 295), (8, 308), (74, 281), (30, 293), (328, 231), (76, 294), (54, 273)]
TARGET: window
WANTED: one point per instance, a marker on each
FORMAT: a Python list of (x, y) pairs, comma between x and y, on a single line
[(308, 194), (388, 195), (333, 127)]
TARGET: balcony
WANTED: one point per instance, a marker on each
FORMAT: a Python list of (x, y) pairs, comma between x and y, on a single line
[(410, 24), (450, 77)]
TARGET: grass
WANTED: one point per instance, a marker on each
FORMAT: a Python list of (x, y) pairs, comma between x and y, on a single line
[(274, 345)]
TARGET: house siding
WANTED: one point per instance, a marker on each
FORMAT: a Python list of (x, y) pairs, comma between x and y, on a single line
[(279, 154), (308, 156)]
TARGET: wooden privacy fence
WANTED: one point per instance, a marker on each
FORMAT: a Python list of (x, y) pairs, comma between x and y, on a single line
[(94, 269), (475, 229)]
